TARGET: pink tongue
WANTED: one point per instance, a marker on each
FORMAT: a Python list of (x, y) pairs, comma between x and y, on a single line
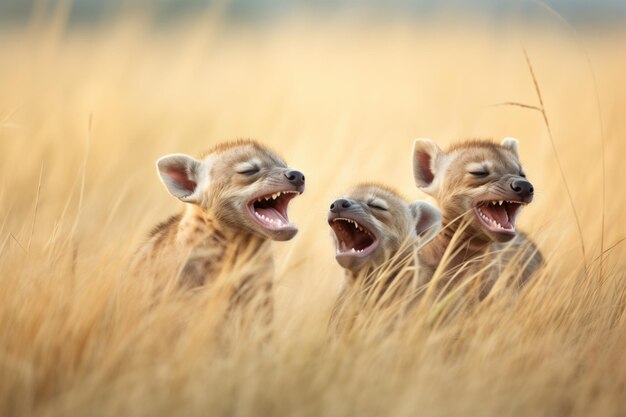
[(272, 214), (498, 213)]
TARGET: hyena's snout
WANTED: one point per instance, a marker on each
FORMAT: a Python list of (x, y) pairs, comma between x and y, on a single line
[(295, 177), (340, 204), (523, 188)]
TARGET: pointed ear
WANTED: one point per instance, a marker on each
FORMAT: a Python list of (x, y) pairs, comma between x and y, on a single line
[(427, 158), (511, 144), (180, 174), (427, 219)]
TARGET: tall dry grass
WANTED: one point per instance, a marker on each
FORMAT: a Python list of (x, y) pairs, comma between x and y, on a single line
[(84, 113)]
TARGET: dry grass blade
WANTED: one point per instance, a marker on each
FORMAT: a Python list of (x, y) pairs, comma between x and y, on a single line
[(83, 176), (18, 242), (600, 121), (558, 160), (513, 103), (609, 249), (32, 226)]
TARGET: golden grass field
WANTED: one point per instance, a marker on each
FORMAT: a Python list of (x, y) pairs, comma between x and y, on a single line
[(84, 114)]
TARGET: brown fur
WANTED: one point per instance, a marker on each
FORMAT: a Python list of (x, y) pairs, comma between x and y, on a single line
[(215, 229), (389, 271), (457, 192)]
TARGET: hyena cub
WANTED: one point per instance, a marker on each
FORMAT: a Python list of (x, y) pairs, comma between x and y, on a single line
[(236, 199), (374, 227), (481, 185)]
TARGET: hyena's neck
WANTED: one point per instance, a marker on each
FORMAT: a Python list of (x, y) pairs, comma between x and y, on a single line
[(197, 227), (196, 224), (212, 249), (460, 248)]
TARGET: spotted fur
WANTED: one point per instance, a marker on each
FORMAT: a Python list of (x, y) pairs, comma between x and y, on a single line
[(217, 228), (387, 269), (448, 178)]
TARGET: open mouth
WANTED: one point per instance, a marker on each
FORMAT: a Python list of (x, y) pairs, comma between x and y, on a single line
[(498, 215), (352, 238), (270, 210)]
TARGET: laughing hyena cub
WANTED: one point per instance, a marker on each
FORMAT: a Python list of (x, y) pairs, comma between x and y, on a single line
[(375, 232), (481, 185), (236, 199)]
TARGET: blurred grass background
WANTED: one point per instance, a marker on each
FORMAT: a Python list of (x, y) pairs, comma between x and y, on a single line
[(90, 104)]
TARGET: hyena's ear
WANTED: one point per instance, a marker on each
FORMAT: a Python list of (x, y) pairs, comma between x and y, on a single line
[(181, 174), (428, 160), (511, 144), (427, 219)]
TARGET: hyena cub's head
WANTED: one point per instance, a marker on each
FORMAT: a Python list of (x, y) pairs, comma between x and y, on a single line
[(242, 184), (480, 181), (371, 222)]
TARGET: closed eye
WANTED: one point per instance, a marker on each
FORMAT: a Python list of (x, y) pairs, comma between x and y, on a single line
[(376, 207), (250, 171), (479, 174)]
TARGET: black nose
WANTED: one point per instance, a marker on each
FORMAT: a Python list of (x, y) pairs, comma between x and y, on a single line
[(295, 177), (522, 187), (342, 203)]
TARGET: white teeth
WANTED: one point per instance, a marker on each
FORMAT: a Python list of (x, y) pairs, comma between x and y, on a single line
[(498, 202), (276, 222), (354, 223), (492, 221), (274, 196), (353, 250)]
